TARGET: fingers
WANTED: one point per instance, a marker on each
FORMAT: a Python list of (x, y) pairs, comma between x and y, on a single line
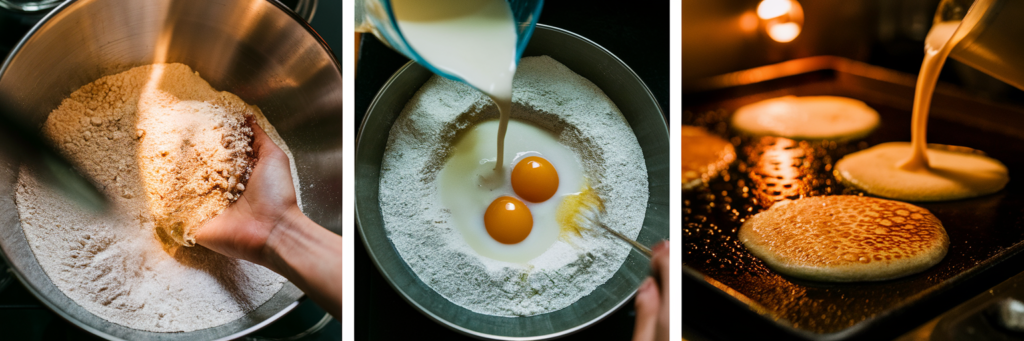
[(215, 234), (660, 263), (652, 298), (648, 304), (660, 267)]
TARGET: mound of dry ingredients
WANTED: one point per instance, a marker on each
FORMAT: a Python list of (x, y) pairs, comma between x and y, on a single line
[(124, 131), (551, 96), (194, 151)]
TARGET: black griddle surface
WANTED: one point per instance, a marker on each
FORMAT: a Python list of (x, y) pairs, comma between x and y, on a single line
[(983, 232)]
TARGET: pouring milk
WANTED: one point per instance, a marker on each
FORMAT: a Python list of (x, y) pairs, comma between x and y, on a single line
[(474, 40)]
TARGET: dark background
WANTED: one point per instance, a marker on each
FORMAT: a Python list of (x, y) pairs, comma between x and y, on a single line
[(637, 34), (886, 33)]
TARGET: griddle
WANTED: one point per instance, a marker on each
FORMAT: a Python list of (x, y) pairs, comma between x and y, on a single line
[(730, 294)]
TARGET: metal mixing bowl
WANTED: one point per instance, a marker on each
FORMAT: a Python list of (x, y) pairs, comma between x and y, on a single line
[(256, 49), (642, 112)]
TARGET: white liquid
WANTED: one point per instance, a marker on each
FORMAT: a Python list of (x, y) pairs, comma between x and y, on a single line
[(468, 200), (474, 40), (901, 171)]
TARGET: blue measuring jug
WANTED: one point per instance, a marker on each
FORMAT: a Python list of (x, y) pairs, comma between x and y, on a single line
[(378, 17)]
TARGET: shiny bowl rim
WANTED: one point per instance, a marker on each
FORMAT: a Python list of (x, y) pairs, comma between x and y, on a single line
[(59, 310), (423, 310)]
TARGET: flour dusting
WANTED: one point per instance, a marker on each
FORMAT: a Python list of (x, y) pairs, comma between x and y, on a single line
[(548, 95), (171, 152)]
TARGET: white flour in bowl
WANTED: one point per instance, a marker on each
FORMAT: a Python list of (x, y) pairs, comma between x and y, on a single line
[(114, 265), (551, 96)]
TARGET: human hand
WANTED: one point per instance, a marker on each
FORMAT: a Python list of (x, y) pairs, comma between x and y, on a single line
[(242, 229), (266, 227), (652, 301)]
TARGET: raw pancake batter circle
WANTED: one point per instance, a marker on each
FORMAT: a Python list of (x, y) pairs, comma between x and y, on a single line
[(951, 175), (913, 171), (807, 118), (550, 96)]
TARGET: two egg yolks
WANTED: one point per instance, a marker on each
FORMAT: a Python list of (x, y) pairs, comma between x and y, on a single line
[(507, 219)]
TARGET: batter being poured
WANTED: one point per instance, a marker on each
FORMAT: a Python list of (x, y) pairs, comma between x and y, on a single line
[(470, 39), (912, 171), (475, 41)]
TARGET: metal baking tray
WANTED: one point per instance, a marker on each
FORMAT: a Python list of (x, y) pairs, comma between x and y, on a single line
[(729, 294)]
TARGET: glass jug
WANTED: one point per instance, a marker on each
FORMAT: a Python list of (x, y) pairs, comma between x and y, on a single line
[(989, 36)]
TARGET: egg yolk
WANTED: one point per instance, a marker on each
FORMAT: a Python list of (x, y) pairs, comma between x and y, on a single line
[(508, 220), (534, 179)]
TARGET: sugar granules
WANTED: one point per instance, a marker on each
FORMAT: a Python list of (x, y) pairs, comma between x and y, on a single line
[(549, 95), (113, 264)]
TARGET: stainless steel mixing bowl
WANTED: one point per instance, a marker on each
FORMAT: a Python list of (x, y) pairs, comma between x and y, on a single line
[(642, 112), (256, 49)]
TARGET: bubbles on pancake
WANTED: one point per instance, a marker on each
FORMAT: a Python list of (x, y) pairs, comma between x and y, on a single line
[(713, 215), (845, 238)]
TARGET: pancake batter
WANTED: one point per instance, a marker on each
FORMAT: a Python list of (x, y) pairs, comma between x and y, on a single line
[(914, 172), (807, 118)]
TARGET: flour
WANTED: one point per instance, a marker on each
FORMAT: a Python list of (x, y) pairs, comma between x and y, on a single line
[(149, 132), (550, 96), (194, 151)]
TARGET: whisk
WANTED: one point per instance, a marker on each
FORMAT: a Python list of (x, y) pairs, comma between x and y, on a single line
[(592, 216)]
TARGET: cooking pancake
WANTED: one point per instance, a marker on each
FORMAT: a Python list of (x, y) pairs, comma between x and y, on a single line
[(703, 156), (950, 174), (807, 118), (845, 238)]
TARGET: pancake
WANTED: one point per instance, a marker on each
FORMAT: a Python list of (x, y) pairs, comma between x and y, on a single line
[(845, 238), (704, 155), (949, 174), (807, 118)]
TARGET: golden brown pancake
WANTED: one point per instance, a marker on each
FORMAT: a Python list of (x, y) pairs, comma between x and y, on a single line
[(845, 238), (703, 156)]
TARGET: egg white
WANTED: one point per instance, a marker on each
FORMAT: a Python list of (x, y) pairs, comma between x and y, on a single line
[(467, 184)]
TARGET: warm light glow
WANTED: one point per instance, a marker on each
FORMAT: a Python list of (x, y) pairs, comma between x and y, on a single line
[(782, 19), (773, 8), (783, 32), (748, 22)]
